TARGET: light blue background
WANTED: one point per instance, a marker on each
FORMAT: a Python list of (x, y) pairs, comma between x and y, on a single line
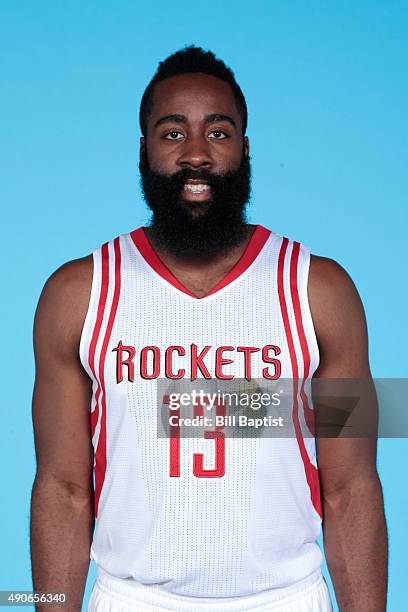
[(326, 86)]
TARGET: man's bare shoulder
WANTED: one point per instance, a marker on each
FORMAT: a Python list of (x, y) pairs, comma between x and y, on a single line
[(75, 275), (330, 285), (338, 314), (63, 304)]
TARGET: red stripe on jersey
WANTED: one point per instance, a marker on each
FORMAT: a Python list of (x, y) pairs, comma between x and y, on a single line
[(294, 261), (100, 455), (309, 414), (97, 328), (252, 250), (308, 466)]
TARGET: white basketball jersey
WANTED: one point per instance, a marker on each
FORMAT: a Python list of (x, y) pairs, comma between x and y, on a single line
[(214, 516)]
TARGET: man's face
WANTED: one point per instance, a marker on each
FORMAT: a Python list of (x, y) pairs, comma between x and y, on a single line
[(194, 165)]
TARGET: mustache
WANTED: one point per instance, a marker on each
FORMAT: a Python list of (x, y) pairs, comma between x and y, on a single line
[(181, 176)]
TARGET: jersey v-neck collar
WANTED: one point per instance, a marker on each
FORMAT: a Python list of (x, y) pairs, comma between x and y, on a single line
[(251, 252)]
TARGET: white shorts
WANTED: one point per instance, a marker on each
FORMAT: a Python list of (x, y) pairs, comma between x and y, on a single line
[(111, 594)]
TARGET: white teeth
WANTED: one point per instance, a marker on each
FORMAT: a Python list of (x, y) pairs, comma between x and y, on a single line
[(194, 188)]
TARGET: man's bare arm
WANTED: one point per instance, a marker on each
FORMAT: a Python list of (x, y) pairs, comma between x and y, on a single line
[(62, 516), (355, 535)]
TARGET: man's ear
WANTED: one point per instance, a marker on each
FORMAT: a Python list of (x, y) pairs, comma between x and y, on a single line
[(142, 148), (246, 146)]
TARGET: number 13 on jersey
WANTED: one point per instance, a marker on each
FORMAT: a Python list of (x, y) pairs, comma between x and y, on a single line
[(217, 435)]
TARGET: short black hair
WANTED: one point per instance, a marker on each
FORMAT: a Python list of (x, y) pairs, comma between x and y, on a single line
[(192, 59)]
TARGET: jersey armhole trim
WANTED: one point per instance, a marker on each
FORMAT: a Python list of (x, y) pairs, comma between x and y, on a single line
[(88, 322), (308, 324)]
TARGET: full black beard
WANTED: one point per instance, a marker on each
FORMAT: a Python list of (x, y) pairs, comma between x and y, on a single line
[(197, 230)]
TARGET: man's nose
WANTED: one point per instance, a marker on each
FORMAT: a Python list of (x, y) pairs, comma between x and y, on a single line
[(195, 153)]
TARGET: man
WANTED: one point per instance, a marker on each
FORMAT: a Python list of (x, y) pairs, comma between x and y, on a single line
[(199, 295)]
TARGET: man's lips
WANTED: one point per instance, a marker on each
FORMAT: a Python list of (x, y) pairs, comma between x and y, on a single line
[(195, 181), (196, 189)]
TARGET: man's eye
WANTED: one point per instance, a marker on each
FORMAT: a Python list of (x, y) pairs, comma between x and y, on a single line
[(173, 135), (217, 135)]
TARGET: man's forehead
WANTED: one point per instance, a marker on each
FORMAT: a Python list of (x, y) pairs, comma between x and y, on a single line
[(193, 94)]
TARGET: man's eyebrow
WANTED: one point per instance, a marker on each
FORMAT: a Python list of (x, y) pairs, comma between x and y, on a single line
[(212, 118), (166, 118), (218, 117)]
